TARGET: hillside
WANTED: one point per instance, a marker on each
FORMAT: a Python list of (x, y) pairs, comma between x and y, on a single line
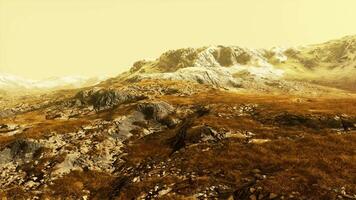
[(331, 64), (210, 123)]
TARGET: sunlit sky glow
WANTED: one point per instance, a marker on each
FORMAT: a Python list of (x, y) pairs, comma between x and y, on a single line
[(45, 38)]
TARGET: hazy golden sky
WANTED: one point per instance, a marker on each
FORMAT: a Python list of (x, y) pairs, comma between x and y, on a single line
[(43, 38)]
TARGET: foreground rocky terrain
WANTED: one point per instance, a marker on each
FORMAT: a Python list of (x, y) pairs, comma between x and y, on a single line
[(180, 128), (176, 140)]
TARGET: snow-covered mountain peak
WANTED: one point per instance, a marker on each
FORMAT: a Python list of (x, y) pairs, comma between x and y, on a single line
[(332, 63), (13, 82)]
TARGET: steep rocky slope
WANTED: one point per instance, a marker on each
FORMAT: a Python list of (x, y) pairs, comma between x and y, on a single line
[(330, 64)]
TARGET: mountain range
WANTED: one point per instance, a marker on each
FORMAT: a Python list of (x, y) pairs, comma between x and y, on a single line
[(331, 64), (9, 82)]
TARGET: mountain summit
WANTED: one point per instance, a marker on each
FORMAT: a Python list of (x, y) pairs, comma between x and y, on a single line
[(331, 64)]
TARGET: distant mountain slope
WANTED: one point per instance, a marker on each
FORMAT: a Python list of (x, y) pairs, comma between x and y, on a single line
[(10, 82), (311, 69), (331, 64)]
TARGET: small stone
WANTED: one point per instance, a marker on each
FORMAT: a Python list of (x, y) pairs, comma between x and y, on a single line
[(259, 176), (30, 184), (200, 194), (164, 192), (272, 195), (252, 190), (78, 185), (253, 197), (259, 141)]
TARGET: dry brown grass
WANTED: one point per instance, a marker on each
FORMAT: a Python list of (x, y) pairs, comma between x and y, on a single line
[(74, 185), (42, 128), (298, 159), (297, 104)]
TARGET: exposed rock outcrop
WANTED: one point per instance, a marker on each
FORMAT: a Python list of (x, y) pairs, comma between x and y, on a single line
[(104, 99), (156, 110), (277, 69)]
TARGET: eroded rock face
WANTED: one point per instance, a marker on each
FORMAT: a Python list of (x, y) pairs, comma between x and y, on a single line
[(6, 128), (103, 99), (15, 154), (6, 113), (176, 59), (138, 65), (23, 149), (203, 134), (5, 156), (217, 77)]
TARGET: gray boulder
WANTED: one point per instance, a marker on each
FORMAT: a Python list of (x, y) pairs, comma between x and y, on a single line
[(22, 150), (156, 110)]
